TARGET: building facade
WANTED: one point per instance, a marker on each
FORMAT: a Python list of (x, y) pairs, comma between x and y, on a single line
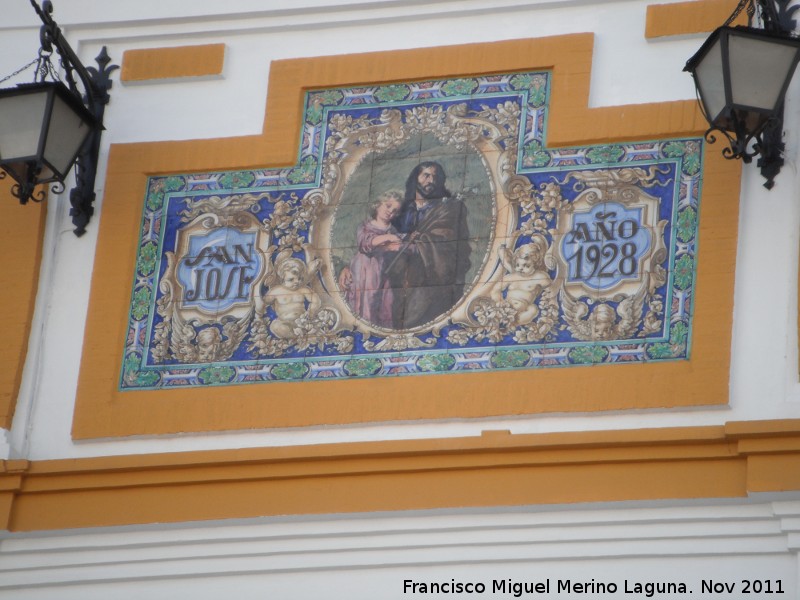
[(397, 299)]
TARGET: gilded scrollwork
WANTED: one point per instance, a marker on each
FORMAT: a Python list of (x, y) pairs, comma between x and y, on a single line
[(619, 220), (191, 341), (521, 302), (601, 321), (299, 316), (228, 210), (399, 342), (353, 140), (524, 289), (197, 325), (534, 255)]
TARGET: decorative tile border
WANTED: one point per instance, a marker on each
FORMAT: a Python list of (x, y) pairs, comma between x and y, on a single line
[(569, 256)]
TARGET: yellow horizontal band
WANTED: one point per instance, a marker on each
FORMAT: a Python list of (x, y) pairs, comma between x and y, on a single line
[(21, 236), (696, 16), (103, 411), (172, 63), (497, 469)]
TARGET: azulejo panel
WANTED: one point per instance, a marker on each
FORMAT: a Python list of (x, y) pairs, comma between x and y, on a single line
[(426, 228)]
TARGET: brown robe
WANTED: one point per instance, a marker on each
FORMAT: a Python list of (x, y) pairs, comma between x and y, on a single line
[(428, 274)]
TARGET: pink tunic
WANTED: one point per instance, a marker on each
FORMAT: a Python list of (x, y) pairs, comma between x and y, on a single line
[(369, 295)]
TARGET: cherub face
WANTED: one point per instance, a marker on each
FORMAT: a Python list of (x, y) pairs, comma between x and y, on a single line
[(208, 343), (524, 263), (604, 320), (602, 328), (292, 280), (206, 352), (388, 209)]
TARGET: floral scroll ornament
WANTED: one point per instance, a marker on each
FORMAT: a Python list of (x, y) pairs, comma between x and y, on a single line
[(521, 302), (196, 333), (528, 304), (186, 341), (523, 292), (300, 320), (238, 275), (616, 312), (281, 312)]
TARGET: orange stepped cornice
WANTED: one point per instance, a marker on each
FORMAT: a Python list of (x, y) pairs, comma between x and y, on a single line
[(103, 411), (682, 18), (495, 469)]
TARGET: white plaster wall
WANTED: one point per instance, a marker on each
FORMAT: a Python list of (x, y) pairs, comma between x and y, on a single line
[(368, 557), (627, 69)]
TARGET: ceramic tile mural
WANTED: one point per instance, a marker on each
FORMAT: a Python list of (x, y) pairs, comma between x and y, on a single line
[(426, 228)]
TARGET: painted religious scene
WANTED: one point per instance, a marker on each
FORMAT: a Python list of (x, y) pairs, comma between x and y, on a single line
[(426, 228)]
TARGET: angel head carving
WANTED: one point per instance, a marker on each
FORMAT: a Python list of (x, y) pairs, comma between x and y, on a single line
[(209, 344), (292, 273), (602, 320), (529, 258)]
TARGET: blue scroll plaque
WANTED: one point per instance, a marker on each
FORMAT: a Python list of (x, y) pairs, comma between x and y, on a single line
[(606, 245), (219, 269)]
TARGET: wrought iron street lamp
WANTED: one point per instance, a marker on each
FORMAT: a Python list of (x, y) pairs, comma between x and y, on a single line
[(741, 75), (47, 126)]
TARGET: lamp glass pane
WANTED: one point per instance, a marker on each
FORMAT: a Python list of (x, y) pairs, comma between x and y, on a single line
[(21, 119), (710, 80), (65, 136), (759, 68)]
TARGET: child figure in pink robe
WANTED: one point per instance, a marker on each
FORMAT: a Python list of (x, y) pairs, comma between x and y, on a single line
[(368, 293)]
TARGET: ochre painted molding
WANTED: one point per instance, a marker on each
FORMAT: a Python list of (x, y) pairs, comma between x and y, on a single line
[(103, 411), (172, 63), (21, 235), (10, 483), (695, 16), (498, 469)]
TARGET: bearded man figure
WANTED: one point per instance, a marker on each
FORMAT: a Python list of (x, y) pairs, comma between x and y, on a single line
[(428, 273)]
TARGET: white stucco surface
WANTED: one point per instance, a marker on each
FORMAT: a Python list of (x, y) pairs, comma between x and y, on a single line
[(374, 556)]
